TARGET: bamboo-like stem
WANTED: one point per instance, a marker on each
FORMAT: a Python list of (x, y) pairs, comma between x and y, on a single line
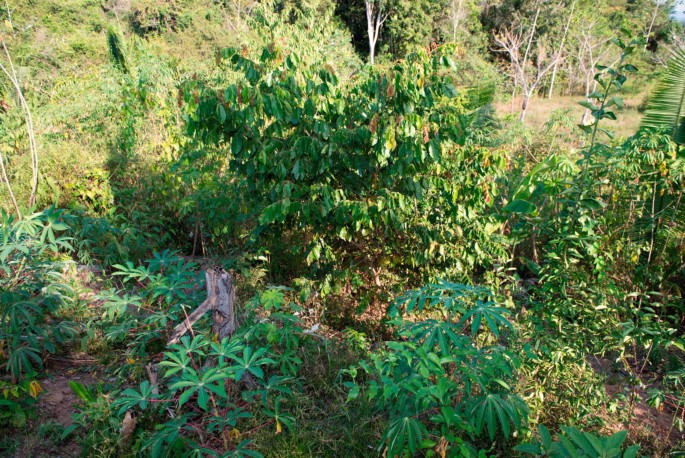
[(12, 76)]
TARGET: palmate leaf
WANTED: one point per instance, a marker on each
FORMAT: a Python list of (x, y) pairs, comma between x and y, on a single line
[(495, 413), (493, 316), (453, 297), (666, 107), (576, 443), (441, 334), (131, 397), (24, 359), (404, 433)]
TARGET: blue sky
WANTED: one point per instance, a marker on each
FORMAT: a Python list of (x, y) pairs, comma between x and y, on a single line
[(679, 12)]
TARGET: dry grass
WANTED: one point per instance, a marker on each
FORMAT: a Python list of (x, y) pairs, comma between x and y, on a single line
[(541, 109)]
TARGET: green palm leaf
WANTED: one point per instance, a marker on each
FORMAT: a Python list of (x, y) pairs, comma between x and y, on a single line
[(667, 104)]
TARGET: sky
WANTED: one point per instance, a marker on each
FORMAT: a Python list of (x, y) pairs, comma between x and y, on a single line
[(679, 11)]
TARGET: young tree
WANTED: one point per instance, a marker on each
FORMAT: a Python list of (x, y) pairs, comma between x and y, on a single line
[(592, 48), (456, 16), (653, 14), (562, 43), (528, 57), (460, 19)]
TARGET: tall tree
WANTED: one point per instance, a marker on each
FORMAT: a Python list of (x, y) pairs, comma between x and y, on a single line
[(412, 24)]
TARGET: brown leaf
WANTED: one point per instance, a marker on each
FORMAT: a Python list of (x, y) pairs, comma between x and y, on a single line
[(373, 125)]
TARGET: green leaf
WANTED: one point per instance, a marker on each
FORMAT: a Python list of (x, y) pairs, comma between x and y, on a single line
[(221, 111), (236, 145), (616, 440), (545, 436), (520, 206), (533, 449), (185, 396), (81, 391), (272, 299), (592, 204), (631, 452), (404, 433)]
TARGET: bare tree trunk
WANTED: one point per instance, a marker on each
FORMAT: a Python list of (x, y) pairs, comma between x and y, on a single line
[(374, 20), (220, 300), (524, 106), (370, 31), (655, 13), (456, 18), (530, 39), (561, 47), (12, 76)]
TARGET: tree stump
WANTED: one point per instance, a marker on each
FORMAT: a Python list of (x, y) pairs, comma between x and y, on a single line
[(220, 300)]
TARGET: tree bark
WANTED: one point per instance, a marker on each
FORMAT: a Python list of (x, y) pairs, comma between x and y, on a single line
[(220, 300), (524, 105), (456, 18), (224, 309), (374, 20)]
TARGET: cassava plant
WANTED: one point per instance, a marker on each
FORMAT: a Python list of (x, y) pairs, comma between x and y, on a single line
[(448, 381)]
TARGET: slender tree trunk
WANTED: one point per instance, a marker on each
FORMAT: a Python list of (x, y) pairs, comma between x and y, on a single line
[(655, 13), (530, 39), (374, 21), (561, 48), (524, 106), (12, 76), (587, 98), (456, 18), (527, 92), (9, 186), (370, 30)]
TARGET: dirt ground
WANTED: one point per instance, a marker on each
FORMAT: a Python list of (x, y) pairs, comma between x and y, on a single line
[(54, 411), (651, 428)]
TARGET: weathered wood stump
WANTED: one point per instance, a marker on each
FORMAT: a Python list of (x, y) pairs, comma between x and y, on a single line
[(220, 300)]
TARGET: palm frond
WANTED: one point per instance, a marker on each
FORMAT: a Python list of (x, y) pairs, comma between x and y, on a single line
[(667, 104)]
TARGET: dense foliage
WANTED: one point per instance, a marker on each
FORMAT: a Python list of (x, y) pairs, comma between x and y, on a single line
[(418, 268)]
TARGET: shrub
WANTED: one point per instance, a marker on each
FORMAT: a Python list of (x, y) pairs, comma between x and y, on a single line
[(369, 180)]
